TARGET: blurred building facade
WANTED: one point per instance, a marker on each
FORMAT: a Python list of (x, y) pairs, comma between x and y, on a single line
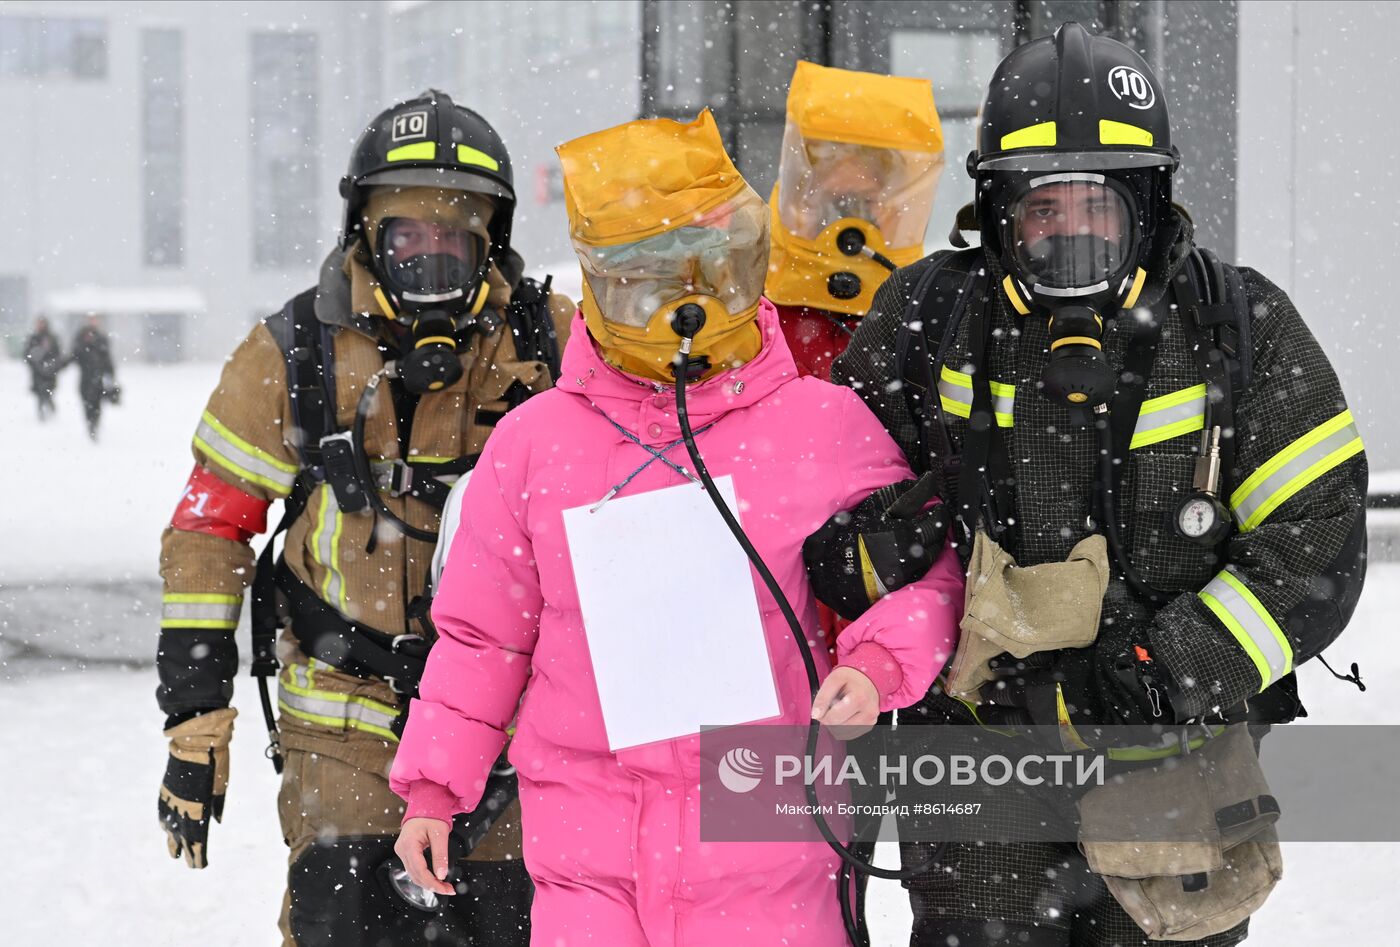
[(177, 165), (177, 161)]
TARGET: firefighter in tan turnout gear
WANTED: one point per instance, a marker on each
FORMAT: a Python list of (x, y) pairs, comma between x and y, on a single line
[(356, 406)]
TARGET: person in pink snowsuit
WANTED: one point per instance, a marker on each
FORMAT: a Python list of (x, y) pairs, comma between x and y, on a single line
[(612, 839)]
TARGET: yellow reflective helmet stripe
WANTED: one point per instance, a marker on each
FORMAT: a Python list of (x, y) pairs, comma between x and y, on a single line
[(200, 610), (955, 395), (1172, 415), (1293, 468), (466, 154), (1041, 135), (236, 455), (1231, 601), (1121, 133), (418, 151)]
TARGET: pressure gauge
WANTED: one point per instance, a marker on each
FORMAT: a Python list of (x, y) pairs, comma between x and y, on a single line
[(1202, 519)]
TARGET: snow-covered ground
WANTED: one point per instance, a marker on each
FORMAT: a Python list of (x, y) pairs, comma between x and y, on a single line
[(82, 751)]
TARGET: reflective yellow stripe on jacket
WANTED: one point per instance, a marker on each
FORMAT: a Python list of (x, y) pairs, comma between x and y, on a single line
[(298, 696), (1293, 468), (236, 455), (955, 394), (1173, 415), (325, 548), (1250, 623), (200, 610)]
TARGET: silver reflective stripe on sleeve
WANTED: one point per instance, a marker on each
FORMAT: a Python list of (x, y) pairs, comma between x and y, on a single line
[(1173, 415), (236, 455), (955, 394), (1293, 468), (200, 610), (1250, 623)]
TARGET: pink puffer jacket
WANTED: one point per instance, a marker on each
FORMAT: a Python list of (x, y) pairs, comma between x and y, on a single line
[(612, 840)]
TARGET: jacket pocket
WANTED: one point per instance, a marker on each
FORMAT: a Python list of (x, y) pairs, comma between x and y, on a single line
[(1158, 479)]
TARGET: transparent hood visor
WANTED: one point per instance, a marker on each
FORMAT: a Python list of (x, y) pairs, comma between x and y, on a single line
[(821, 182), (723, 254)]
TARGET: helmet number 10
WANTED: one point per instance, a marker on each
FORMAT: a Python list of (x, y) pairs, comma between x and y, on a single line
[(410, 125), (1127, 83)]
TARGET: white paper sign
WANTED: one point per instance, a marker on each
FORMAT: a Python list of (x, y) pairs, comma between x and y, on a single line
[(671, 615)]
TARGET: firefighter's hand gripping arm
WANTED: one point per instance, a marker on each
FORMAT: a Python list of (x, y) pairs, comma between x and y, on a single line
[(196, 778), (906, 587), (887, 541), (1296, 563)]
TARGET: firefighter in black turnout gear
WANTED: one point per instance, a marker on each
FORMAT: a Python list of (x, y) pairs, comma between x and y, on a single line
[(1089, 371)]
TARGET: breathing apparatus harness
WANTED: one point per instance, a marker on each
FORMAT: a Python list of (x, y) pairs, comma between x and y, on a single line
[(687, 321), (336, 457), (1211, 299)]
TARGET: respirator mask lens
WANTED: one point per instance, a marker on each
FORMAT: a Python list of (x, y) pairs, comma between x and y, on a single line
[(1070, 234), (428, 262)]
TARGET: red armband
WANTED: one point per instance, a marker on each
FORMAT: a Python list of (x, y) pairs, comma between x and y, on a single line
[(213, 506)]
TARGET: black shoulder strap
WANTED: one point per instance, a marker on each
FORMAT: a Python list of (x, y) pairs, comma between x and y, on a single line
[(532, 324), (937, 305), (1224, 311), (986, 477), (304, 342), (1205, 314), (309, 357)]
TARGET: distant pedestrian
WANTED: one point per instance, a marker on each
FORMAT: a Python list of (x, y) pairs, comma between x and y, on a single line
[(96, 374), (45, 358)]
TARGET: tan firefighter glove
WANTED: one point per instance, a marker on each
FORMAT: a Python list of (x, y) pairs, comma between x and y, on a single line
[(196, 778)]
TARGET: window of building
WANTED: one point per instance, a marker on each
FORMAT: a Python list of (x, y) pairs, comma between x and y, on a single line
[(15, 324), (960, 64), (48, 47), (162, 168), (285, 149), (164, 337)]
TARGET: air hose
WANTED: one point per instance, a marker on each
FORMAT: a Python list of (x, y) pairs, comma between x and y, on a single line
[(687, 322)]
